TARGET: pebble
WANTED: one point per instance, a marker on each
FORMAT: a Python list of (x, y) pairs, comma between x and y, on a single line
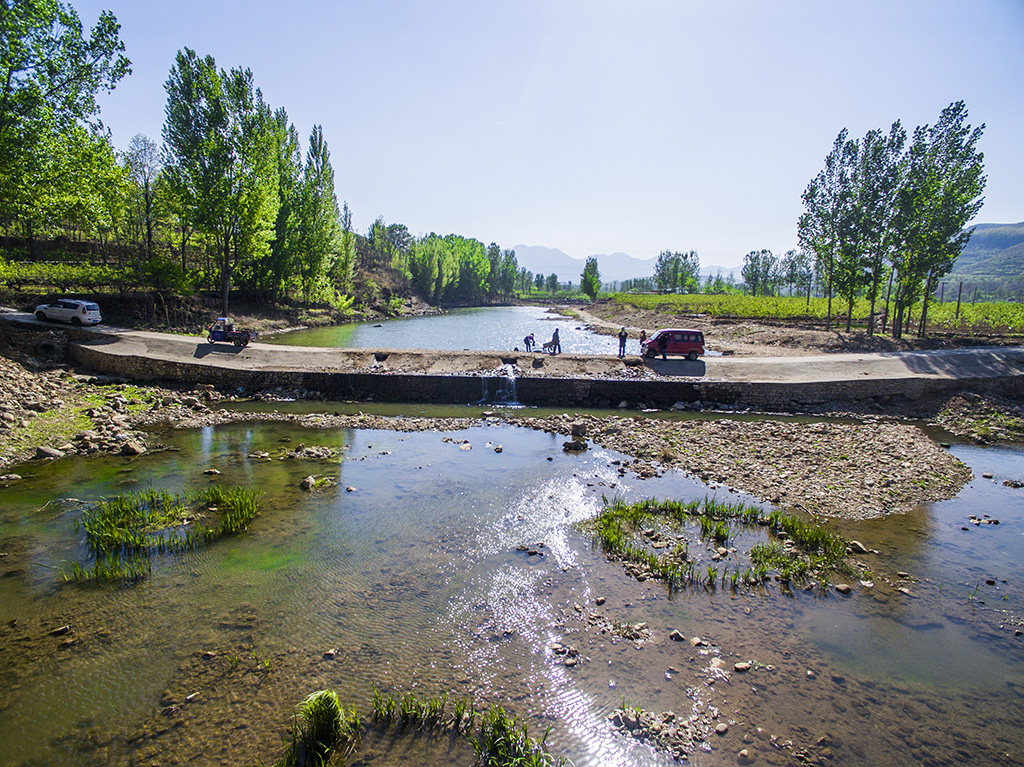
[(721, 728), (676, 635), (843, 588), (742, 666), (599, 601)]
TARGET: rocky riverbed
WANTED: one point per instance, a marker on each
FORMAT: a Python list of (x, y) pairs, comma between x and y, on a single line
[(853, 471)]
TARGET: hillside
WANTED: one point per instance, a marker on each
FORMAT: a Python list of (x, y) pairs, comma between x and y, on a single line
[(995, 251)]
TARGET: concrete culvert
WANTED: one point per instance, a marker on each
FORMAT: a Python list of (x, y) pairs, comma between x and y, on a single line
[(380, 356), (47, 349)]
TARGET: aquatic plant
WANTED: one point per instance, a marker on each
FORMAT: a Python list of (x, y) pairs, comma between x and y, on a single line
[(503, 741), (326, 726), (621, 530), (123, 532)]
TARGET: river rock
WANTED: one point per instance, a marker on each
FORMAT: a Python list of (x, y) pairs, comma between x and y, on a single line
[(843, 588), (676, 636), (45, 451), (858, 547), (742, 666), (307, 483), (579, 429), (721, 728), (212, 472), (574, 446), (132, 447)]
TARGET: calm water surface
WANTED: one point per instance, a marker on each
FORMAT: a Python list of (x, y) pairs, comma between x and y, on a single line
[(483, 329), (414, 579)]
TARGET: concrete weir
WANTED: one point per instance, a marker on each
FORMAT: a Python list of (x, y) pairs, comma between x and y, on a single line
[(411, 375)]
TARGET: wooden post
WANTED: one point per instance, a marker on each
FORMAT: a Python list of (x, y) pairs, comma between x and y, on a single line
[(942, 291), (958, 292), (975, 299)]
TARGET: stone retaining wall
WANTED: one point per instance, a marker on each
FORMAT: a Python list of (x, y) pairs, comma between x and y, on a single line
[(555, 392)]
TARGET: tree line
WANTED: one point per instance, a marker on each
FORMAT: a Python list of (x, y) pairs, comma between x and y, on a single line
[(885, 212), (228, 199)]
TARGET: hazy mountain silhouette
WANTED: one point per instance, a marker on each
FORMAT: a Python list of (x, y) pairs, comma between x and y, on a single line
[(614, 267)]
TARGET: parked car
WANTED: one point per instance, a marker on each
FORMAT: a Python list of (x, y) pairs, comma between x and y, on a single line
[(683, 341), (72, 310)]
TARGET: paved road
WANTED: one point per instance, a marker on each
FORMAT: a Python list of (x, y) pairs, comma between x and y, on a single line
[(973, 362)]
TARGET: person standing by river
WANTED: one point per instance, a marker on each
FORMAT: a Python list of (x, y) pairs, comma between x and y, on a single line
[(643, 337), (555, 344), (623, 335)]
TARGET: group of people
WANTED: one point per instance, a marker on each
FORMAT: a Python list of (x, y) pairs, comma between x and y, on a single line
[(554, 346), (623, 336)]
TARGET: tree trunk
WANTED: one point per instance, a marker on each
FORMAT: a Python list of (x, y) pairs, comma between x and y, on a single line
[(225, 276)]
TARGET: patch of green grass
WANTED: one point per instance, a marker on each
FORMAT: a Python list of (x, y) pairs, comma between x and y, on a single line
[(123, 532), (814, 550)]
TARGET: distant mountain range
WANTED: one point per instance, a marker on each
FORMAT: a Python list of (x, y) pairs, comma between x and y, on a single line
[(995, 251), (614, 267)]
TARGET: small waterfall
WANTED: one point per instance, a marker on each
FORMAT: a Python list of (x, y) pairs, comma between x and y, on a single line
[(499, 390)]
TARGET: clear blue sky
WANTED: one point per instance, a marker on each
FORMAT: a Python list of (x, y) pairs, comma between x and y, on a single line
[(595, 126)]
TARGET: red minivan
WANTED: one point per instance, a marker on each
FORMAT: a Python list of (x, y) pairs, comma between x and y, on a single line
[(680, 341)]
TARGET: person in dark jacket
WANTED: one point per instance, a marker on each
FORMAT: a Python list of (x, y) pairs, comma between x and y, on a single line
[(623, 335), (663, 345)]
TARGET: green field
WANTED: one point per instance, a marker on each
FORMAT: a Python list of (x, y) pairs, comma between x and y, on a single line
[(987, 316)]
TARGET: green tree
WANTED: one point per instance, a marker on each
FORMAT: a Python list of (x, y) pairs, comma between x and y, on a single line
[(941, 192), (318, 230), (142, 160), (590, 279), (50, 74), (222, 158), (274, 271), (552, 283), (826, 201), (760, 272)]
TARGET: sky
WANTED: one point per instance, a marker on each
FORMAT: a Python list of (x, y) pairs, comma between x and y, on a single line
[(594, 127)]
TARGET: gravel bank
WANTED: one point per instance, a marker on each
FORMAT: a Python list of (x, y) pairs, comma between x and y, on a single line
[(853, 471)]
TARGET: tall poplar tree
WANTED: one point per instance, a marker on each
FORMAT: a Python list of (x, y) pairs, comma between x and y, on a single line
[(221, 158)]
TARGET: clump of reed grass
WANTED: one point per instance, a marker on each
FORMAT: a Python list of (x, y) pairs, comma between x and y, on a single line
[(503, 741), (816, 549), (425, 714), (324, 726), (123, 532), (327, 726)]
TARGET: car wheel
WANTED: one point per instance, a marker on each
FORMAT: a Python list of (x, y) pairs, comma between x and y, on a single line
[(650, 354), (209, 339), (41, 316), (75, 321), (691, 356)]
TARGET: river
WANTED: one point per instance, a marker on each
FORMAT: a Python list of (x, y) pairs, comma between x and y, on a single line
[(405, 569), (479, 329)]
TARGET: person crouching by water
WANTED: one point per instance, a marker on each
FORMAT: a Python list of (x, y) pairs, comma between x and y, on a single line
[(623, 335), (529, 342)]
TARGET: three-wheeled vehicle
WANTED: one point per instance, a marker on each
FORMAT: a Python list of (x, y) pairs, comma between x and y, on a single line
[(223, 329)]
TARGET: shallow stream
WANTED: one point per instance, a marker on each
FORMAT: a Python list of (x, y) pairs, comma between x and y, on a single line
[(500, 328), (413, 580)]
